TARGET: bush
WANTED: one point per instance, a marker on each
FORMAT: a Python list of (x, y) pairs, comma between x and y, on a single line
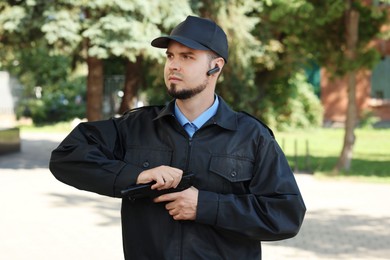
[(63, 104), (292, 105), (368, 119)]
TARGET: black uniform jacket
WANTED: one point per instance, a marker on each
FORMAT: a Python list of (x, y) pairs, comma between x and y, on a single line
[(247, 192)]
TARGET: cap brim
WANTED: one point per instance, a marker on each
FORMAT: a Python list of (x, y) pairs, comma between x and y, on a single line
[(163, 42)]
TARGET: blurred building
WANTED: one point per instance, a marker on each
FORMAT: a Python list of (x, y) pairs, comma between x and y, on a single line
[(9, 134), (7, 104)]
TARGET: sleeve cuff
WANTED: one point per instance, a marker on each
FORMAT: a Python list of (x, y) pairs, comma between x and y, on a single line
[(207, 210), (125, 178)]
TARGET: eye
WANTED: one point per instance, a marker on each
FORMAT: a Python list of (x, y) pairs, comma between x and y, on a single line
[(169, 56), (187, 56)]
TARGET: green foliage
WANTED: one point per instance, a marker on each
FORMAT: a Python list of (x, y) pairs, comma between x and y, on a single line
[(49, 88), (291, 103), (239, 20), (34, 67), (270, 41), (64, 104), (302, 24), (368, 119), (124, 31), (62, 30)]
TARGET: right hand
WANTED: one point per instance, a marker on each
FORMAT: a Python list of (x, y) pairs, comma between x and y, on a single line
[(166, 177)]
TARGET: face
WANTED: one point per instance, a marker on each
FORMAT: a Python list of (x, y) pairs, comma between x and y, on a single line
[(185, 71)]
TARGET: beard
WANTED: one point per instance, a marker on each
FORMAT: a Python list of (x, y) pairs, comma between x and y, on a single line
[(186, 93)]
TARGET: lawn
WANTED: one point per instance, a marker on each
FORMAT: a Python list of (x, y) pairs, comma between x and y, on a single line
[(63, 127), (317, 151)]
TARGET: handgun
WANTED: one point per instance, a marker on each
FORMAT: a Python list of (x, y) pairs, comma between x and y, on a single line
[(142, 191)]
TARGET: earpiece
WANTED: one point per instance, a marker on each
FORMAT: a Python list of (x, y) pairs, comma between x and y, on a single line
[(212, 71)]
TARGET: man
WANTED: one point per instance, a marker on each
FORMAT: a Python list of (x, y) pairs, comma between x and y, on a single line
[(243, 190)]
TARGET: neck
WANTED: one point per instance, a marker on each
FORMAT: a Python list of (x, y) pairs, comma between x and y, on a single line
[(194, 107)]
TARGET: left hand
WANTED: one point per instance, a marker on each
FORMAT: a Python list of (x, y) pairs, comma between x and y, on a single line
[(181, 205)]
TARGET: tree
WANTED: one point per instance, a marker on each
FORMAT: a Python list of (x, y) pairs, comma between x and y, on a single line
[(98, 30), (69, 29), (335, 35), (91, 31), (24, 53), (257, 67), (351, 40), (238, 19)]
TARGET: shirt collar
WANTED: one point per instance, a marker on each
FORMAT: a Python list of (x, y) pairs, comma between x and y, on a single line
[(225, 116), (201, 119)]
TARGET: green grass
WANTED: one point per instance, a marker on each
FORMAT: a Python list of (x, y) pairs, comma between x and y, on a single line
[(371, 154), (63, 127)]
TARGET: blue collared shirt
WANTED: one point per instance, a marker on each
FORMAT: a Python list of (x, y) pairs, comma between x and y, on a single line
[(192, 127)]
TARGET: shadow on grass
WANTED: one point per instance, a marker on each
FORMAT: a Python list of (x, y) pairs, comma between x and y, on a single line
[(359, 167)]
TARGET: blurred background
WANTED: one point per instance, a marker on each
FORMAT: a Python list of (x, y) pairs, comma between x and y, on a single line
[(316, 72)]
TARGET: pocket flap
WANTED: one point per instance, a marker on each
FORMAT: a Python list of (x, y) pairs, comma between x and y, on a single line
[(231, 168)]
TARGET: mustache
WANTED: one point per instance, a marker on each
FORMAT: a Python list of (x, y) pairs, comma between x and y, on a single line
[(175, 75)]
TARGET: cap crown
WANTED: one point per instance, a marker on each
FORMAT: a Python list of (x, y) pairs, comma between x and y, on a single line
[(197, 33)]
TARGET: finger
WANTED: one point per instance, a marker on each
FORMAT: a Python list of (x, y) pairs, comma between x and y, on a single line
[(173, 212), (169, 180), (172, 209), (169, 206), (160, 182), (162, 185), (166, 197), (176, 175), (176, 180)]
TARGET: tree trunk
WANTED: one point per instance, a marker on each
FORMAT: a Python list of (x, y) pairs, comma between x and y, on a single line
[(133, 82), (352, 29), (344, 162), (94, 89)]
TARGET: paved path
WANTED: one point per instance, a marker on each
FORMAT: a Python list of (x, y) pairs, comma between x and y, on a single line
[(41, 218)]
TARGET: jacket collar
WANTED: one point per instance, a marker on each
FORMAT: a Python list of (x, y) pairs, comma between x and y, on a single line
[(225, 116)]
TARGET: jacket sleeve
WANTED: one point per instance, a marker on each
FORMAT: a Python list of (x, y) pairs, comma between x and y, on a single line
[(89, 158), (273, 209)]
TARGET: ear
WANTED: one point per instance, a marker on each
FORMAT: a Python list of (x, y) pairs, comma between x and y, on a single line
[(219, 62)]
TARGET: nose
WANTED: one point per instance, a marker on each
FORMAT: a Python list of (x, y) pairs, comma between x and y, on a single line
[(173, 64)]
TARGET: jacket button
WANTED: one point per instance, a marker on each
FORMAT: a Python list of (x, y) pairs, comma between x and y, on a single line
[(233, 174), (145, 164)]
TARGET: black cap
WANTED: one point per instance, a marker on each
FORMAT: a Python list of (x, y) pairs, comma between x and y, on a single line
[(199, 34)]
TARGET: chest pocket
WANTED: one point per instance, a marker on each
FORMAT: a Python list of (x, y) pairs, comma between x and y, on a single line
[(148, 157), (229, 174)]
